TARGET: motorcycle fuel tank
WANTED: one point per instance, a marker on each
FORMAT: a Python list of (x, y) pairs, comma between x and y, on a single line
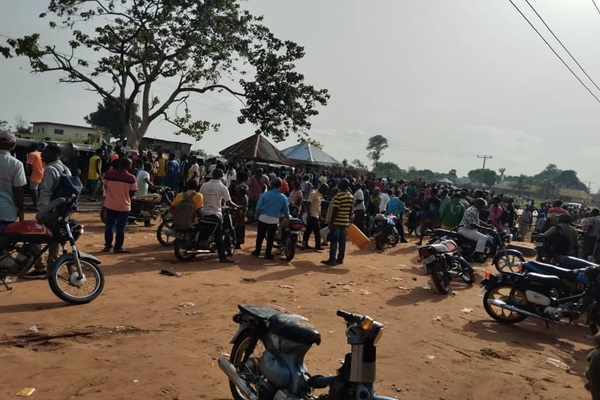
[(28, 231)]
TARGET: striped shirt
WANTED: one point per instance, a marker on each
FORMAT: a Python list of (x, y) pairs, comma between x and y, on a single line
[(343, 201)]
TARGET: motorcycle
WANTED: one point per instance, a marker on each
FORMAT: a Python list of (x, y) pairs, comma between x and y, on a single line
[(201, 238), (413, 221), (75, 277), (385, 232), (503, 258), (164, 232), (443, 262), (287, 236), (147, 208), (267, 358), (511, 298)]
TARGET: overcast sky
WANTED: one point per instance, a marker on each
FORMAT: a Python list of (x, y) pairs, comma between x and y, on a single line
[(443, 80)]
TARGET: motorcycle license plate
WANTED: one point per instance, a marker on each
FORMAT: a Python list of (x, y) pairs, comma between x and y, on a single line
[(428, 260)]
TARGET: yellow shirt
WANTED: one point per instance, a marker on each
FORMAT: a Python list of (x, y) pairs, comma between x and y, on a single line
[(162, 167), (198, 200), (92, 170)]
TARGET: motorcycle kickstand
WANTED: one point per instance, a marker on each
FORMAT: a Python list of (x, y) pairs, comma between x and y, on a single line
[(5, 284)]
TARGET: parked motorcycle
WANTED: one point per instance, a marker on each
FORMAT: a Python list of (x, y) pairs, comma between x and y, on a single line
[(201, 238), (385, 232), (287, 236), (444, 262), (75, 277), (511, 298), (503, 258), (147, 208), (267, 358), (164, 232)]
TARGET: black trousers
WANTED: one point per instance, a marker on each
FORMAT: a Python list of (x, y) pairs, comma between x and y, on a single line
[(312, 226), (265, 230), (400, 226)]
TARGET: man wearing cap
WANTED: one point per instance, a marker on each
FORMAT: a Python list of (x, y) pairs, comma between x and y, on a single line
[(271, 206), (12, 182)]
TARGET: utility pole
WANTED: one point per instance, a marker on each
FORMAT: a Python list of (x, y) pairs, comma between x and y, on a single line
[(485, 157)]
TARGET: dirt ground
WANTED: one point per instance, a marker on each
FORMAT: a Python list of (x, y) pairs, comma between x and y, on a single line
[(138, 340)]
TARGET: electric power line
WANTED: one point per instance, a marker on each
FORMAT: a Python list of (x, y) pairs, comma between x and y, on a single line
[(554, 51), (595, 5), (561, 43)]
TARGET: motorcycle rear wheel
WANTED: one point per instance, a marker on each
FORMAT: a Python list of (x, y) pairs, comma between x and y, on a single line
[(393, 239), (508, 262), (60, 278), (441, 281), (161, 233), (181, 254), (504, 293), (248, 369), (290, 247), (229, 242)]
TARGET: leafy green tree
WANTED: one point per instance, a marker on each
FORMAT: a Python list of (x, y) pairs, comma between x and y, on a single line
[(452, 175), (345, 163), (548, 189), (521, 184), (196, 47), (311, 141), (568, 179), (109, 119), (377, 144), (386, 169), (359, 165), (501, 177), (486, 176)]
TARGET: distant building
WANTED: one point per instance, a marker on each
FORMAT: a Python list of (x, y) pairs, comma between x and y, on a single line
[(167, 146), (66, 133), (574, 196)]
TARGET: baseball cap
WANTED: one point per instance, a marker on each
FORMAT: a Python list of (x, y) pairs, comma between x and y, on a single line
[(7, 137)]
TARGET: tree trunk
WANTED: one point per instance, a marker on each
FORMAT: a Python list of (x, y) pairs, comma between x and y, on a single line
[(134, 137)]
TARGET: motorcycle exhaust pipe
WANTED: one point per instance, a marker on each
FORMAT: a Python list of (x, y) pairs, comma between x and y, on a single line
[(234, 377), (501, 304)]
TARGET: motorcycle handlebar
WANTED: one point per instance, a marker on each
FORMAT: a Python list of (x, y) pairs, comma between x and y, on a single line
[(348, 316)]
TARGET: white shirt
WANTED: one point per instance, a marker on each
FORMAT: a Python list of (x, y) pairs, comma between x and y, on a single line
[(214, 193), (141, 183), (359, 196), (194, 168), (12, 174), (232, 175), (385, 199)]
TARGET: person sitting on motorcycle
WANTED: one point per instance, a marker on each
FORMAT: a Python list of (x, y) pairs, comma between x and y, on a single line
[(561, 239), (471, 225), (191, 189)]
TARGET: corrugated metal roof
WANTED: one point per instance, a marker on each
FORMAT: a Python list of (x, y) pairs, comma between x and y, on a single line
[(306, 153), (255, 147)]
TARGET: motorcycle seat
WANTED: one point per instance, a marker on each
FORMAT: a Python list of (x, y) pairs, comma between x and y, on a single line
[(440, 248), (295, 328), (259, 312), (573, 263), (549, 269)]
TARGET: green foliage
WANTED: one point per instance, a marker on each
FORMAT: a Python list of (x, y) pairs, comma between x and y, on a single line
[(3, 124), (196, 46), (561, 178), (345, 163), (109, 119), (501, 177), (311, 141), (377, 144), (359, 165), (487, 176)]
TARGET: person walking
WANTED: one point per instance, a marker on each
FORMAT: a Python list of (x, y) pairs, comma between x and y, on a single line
[(173, 173), (35, 172), (12, 182), (120, 186), (94, 173), (341, 212), (271, 206), (314, 199), (215, 193)]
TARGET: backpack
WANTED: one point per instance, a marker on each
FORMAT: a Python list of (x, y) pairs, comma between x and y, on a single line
[(184, 213), (526, 217), (67, 186), (559, 242)]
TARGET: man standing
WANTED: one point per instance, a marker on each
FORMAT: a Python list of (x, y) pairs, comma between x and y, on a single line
[(257, 185), (359, 208), (194, 171), (214, 193), (452, 213), (271, 206), (12, 182), (315, 197), (470, 225), (120, 187), (591, 234), (431, 214), (341, 211), (94, 173), (173, 173), (161, 169), (35, 171), (143, 180), (385, 199)]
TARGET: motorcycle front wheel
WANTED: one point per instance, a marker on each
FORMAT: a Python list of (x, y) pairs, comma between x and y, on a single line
[(441, 280), (248, 369), (181, 254), (162, 233), (505, 293), (65, 285), (229, 242), (467, 275), (508, 262), (290, 247)]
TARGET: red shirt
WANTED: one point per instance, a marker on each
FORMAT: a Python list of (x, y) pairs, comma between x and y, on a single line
[(118, 185)]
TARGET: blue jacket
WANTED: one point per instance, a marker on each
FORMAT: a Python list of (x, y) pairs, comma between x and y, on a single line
[(273, 204), (395, 207)]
